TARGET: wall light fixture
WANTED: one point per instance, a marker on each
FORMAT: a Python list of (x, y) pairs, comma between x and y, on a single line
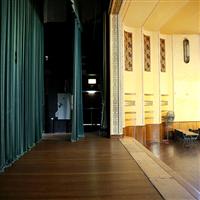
[(186, 50)]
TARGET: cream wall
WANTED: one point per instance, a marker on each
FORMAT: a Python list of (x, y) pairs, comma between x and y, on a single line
[(138, 49), (151, 82), (130, 76), (133, 81), (149, 76), (147, 86), (176, 89), (186, 79), (166, 79)]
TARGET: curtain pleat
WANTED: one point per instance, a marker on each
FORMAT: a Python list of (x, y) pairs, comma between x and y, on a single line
[(105, 68), (21, 78), (77, 113)]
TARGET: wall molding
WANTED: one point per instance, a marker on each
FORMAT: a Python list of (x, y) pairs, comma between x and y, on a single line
[(116, 78), (156, 132), (145, 134), (185, 125), (115, 6), (117, 136)]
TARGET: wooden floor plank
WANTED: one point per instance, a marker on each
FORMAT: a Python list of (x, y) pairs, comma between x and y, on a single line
[(95, 168), (167, 182), (183, 160)]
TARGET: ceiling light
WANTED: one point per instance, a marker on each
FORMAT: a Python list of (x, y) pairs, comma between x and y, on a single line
[(91, 92), (92, 81)]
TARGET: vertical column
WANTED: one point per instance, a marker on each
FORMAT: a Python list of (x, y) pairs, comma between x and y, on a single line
[(115, 78), (121, 75), (139, 51), (171, 73), (156, 75)]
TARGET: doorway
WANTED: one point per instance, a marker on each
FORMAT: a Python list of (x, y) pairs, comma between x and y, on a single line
[(58, 76), (58, 65)]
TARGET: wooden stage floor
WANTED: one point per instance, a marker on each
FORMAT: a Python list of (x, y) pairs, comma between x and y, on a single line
[(94, 168), (183, 160)]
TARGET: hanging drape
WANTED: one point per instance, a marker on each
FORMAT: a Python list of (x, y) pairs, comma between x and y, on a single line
[(105, 74), (77, 113), (21, 78)]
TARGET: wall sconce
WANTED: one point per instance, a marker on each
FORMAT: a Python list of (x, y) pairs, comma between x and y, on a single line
[(186, 50)]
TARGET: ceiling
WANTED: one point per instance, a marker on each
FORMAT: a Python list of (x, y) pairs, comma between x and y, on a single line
[(166, 16), (90, 10)]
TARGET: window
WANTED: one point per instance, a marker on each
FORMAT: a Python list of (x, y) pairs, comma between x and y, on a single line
[(147, 54), (128, 51), (162, 56)]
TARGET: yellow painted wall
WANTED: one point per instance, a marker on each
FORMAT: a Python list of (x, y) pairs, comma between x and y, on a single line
[(156, 76), (133, 84), (130, 76), (138, 51), (166, 79), (186, 79), (146, 85), (176, 89), (149, 76), (179, 86), (149, 81)]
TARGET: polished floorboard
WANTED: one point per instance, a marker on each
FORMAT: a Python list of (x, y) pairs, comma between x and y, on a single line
[(94, 168), (182, 159)]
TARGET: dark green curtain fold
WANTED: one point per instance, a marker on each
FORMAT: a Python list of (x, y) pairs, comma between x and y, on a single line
[(21, 78), (77, 113), (104, 88)]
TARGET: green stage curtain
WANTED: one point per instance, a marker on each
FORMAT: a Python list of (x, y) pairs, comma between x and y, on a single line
[(105, 68), (77, 113), (21, 78)]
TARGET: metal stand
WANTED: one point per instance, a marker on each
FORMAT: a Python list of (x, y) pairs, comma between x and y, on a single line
[(166, 141)]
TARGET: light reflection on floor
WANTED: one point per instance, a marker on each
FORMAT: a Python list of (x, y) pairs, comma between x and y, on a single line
[(184, 160)]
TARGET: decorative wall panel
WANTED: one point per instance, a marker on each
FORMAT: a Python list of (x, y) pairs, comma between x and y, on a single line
[(116, 76), (128, 51), (130, 109), (121, 77), (148, 108), (162, 56), (164, 105), (147, 53)]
